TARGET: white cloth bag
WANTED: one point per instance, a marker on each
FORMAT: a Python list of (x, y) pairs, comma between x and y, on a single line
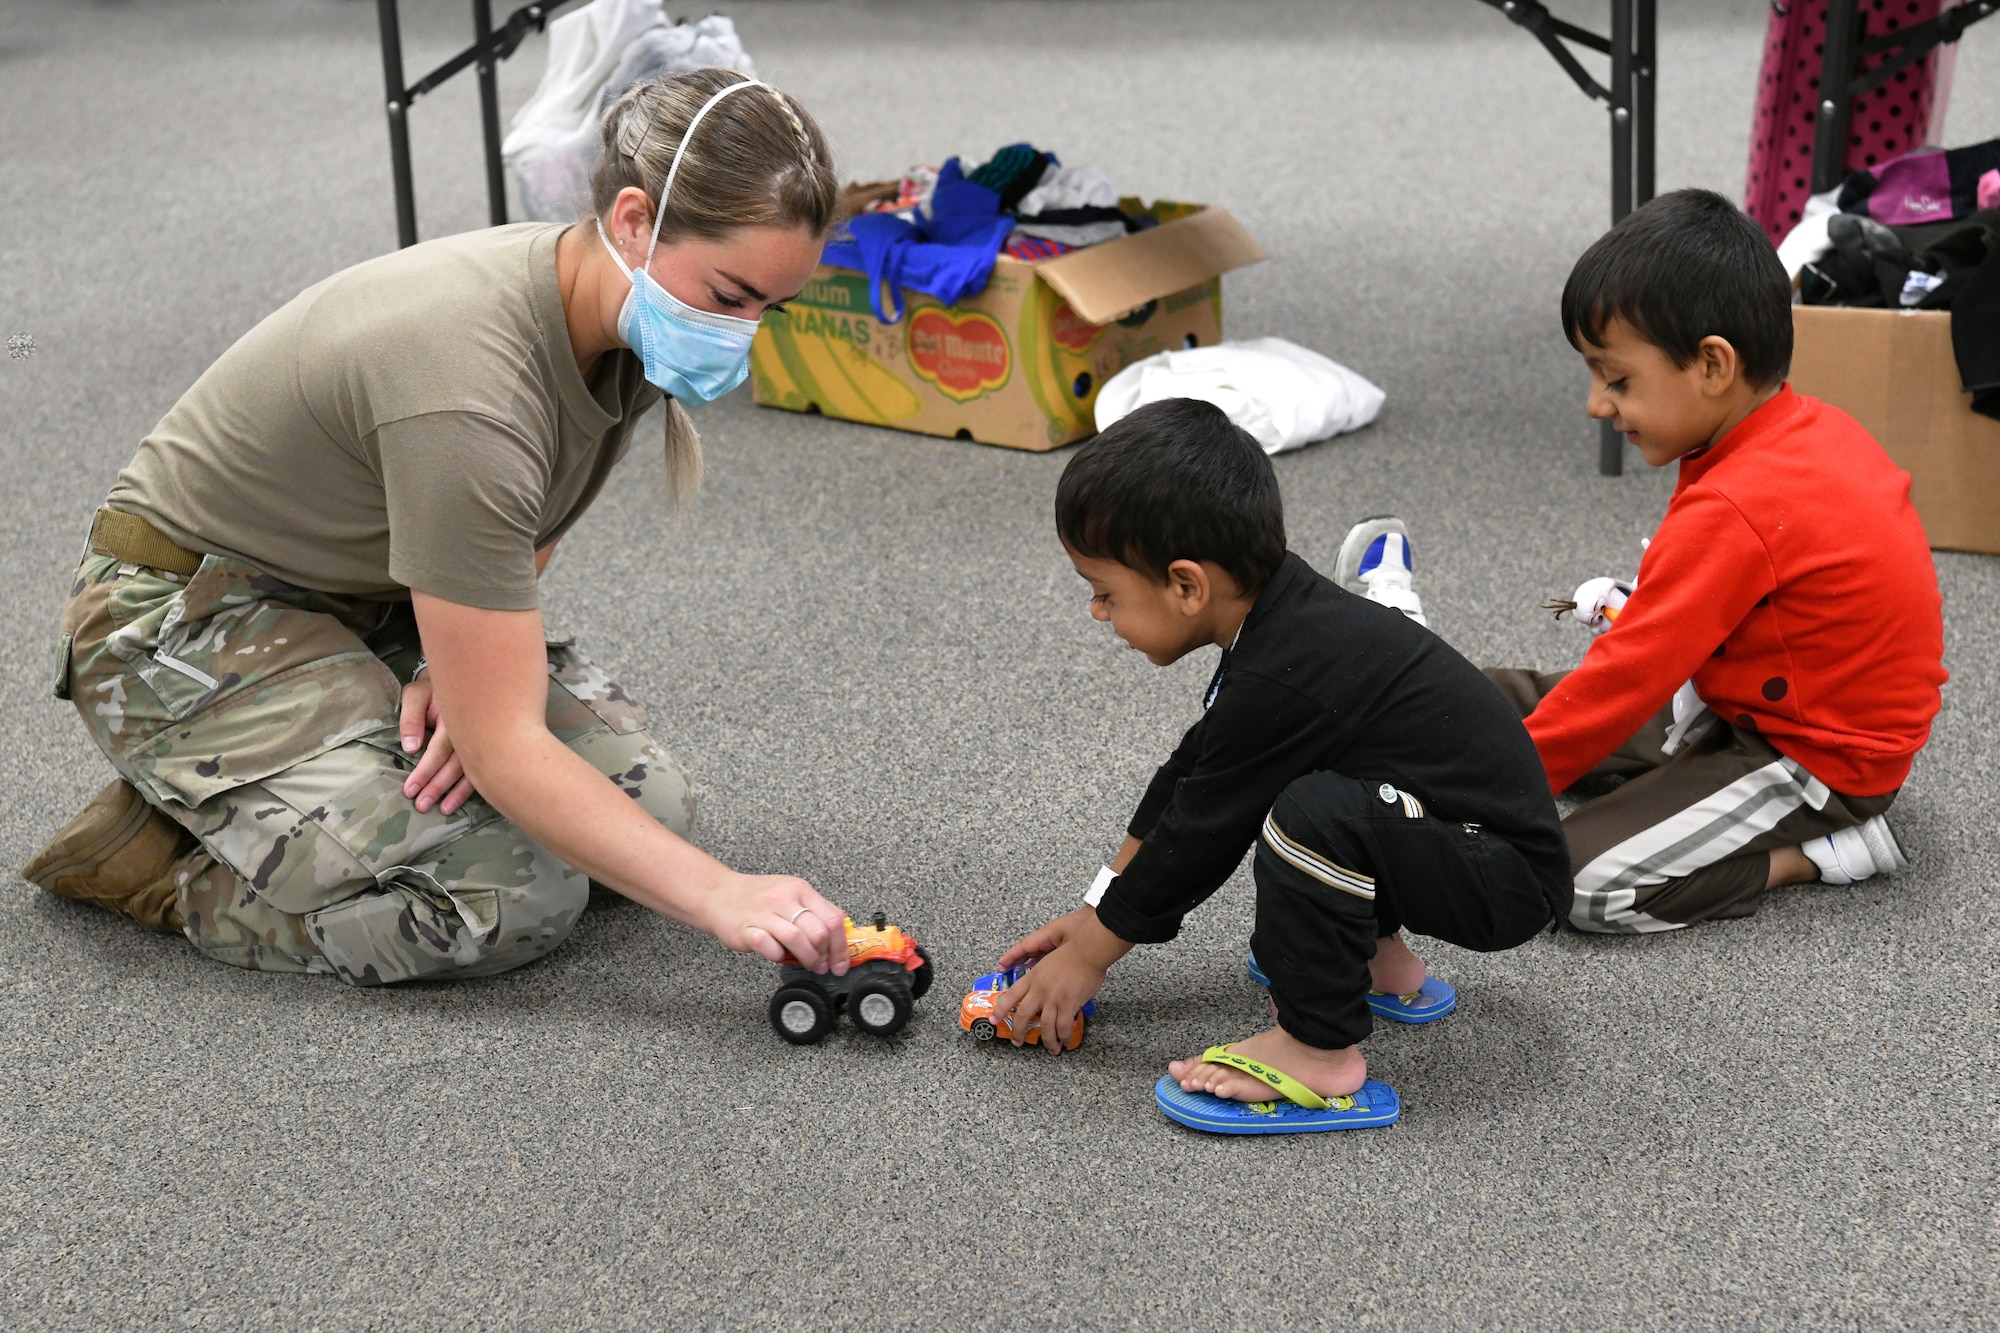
[(1285, 395), (595, 53)]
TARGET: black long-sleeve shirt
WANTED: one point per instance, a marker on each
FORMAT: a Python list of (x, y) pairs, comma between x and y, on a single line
[(1319, 679)]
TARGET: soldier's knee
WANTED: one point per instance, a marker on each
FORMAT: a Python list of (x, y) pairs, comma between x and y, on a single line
[(486, 903), (553, 895), (641, 768), (533, 913)]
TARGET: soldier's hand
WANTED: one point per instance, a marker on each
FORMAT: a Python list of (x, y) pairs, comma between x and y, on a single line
[(438, 779), (772, 915), (419, 711)]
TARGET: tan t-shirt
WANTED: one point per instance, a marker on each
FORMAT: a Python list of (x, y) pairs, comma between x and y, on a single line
[(416, 421)]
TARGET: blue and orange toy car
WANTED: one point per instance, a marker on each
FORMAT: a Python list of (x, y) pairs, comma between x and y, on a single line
[(887, 972), (975, 1012)]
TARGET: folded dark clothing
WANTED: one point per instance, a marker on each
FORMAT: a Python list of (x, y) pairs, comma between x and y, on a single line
[(1975, 333), (1012, 172), (1872, 265), (1081, 217), (1955, 254), (1928, 235)]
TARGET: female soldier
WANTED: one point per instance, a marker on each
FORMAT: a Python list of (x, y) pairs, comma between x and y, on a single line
[(330, 546)]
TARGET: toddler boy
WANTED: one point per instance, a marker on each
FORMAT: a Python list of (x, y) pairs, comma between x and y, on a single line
[(1384, 782), (1790, 585)]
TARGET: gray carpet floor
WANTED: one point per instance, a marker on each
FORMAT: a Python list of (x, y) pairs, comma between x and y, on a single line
[(871, 651)]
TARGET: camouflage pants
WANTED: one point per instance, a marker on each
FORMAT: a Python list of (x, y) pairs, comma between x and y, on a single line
[(263, 718)]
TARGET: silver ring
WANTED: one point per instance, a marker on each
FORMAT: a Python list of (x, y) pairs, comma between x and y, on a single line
[(801, 912)]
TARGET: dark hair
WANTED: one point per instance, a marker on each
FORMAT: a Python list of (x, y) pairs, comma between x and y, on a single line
[(1683, 267), (1175, 480)]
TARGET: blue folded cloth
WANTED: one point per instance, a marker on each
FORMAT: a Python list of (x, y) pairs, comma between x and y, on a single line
[(948, 254)]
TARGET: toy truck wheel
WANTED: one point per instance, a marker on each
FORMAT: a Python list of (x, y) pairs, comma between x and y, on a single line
[(801, 1014), (920, 975), (880, 1005), (982, 1029)]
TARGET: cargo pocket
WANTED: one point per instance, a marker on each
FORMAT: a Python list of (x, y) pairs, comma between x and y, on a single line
[(64, 648), (267, 726), (227, 631)]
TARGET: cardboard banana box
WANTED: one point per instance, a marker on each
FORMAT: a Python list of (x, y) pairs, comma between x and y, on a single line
[(1893, 371), (1020, 363)]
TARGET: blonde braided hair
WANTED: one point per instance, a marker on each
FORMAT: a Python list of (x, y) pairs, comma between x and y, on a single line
[(807, 153), (755, 161)]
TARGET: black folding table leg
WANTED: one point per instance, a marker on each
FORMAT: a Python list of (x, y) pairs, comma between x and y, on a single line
[(489, 110), (1621, 109), (1610, 444), (1645, 48), (1836, 70), (397, 107)]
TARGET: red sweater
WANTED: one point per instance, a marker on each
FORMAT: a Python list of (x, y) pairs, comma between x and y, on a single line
[(1792, 581)]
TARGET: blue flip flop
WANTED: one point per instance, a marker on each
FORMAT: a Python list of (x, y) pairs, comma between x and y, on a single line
[(1427, 1004), (1301, 1110)]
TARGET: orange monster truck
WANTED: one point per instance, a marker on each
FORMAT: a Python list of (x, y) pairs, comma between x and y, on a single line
[(887, 972)]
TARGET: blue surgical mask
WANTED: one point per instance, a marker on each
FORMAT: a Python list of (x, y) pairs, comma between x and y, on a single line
[(695, 355)]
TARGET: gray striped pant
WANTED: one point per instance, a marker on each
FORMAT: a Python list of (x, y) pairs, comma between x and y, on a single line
[(1688, 837)]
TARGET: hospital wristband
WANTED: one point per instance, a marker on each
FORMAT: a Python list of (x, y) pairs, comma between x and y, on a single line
[(1095, 893)]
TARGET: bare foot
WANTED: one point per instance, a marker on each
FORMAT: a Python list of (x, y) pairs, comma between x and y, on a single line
[(1394, 970), (1328, 1073)]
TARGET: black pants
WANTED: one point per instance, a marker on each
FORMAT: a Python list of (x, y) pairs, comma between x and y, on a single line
[(1342, 863)]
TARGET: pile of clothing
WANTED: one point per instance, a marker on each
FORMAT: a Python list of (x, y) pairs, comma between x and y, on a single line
[(596, 53), (1918, 232), (940, 229)]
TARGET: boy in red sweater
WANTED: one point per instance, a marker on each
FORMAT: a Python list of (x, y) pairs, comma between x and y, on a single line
[(1788, 597)]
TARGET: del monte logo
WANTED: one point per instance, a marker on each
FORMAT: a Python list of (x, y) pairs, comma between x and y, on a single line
[(1071, 330), (964, 353)]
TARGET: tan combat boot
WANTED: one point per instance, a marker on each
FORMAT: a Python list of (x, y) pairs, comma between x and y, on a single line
[(119, 853)]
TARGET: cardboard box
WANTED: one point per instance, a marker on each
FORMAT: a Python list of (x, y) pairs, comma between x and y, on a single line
[(1018, 364), (1893, 371)]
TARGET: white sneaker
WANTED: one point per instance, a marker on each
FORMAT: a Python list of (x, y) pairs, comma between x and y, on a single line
[(1375, 562), (1854, 854)]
